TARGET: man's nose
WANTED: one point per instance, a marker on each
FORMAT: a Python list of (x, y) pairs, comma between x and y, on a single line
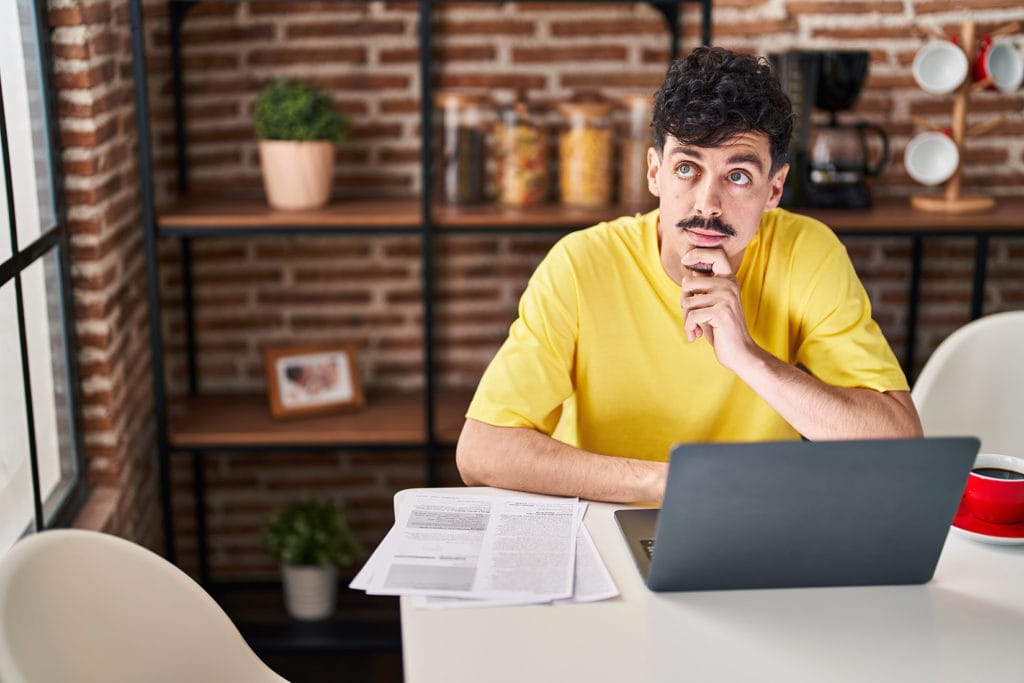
[(707, 199)]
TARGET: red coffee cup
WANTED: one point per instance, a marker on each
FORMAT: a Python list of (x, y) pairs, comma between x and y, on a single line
[(1001, 61), (995, 489)]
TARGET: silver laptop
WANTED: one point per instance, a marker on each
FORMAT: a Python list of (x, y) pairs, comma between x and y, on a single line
[(790, 514)]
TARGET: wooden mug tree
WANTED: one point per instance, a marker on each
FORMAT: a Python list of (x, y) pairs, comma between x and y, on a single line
[(952, 201)]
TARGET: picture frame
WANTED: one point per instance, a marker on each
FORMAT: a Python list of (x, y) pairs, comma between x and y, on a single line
[(311, 379)]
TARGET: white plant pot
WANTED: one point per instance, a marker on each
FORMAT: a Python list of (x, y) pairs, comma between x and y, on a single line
[(297, 175), (310, 593)]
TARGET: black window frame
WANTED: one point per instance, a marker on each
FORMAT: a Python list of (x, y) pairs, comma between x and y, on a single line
[(53, 239)]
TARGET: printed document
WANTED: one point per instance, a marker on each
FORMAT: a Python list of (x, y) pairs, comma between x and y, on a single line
[(512, 548), (591, 582)]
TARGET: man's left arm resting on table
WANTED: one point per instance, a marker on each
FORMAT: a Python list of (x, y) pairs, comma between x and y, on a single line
[(820, 411)]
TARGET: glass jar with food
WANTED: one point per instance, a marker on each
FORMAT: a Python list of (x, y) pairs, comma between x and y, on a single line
[(585, 152), (461, 148), (633, 146), (521, 148)]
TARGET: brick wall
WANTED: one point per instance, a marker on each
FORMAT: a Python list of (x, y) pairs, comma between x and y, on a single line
[(255, 292), (97, 137)]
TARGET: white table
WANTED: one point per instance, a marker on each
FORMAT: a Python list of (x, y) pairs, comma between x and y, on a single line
[(966, 625)]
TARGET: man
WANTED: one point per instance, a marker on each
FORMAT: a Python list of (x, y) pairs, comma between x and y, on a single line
[(717, 317)]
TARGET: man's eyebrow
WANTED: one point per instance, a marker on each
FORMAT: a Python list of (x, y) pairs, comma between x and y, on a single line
[(686, 151), (747, 158)]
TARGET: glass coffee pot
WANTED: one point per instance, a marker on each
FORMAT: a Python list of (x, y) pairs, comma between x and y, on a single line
[(843, 154), (831, 161)]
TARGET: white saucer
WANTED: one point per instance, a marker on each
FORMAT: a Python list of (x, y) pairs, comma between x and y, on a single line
[(986, 538), (986, 532)]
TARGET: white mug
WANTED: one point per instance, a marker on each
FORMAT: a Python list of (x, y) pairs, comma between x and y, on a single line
[(931, 158), (1002, 62), (940, 67)]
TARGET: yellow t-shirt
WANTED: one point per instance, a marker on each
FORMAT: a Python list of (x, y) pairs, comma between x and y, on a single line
[(599, 342)]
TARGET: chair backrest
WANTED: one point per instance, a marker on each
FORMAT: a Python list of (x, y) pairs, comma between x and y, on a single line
[(89, 607), (974, 384)]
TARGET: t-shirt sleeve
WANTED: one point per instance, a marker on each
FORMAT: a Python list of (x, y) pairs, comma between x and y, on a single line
[(840, 342), (531, 376)]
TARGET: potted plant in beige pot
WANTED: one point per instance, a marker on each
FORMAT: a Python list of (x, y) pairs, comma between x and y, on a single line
[(311, 538), (298, 127)]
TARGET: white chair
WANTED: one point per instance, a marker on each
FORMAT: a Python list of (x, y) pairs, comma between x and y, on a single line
[(974, 384), (89, 607)]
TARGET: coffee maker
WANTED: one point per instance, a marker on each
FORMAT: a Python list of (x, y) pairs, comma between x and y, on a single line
[(830, 161)]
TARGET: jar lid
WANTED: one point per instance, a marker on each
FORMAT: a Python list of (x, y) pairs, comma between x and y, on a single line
[(521, 108), (637, 99), (446, 98), (585, 109)]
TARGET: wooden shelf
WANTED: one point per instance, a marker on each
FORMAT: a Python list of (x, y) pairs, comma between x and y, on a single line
[(244, 420), (202, 214), (233, 215), (227, 216), (540, 216), (897, 216)]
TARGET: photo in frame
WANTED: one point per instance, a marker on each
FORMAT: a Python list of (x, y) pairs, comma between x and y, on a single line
[(311, 379)]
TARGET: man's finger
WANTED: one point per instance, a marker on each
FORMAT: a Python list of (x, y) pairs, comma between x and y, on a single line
[(707, 261), (698, 323)]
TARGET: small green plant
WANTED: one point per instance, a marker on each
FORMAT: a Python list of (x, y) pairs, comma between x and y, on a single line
[(311, 531), (289, 110)]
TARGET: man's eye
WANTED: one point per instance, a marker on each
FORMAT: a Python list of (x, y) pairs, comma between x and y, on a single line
[(739, 177), (685, 171)]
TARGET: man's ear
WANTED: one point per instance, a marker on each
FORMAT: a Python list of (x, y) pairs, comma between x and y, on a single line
[(653, 166), (778, 182)]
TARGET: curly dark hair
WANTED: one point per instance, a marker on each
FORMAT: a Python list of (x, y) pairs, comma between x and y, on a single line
[(715, 94)]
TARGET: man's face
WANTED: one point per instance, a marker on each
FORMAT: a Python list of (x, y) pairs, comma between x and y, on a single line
[(712, 197)]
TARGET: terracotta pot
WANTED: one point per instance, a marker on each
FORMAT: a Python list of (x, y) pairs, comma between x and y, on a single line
[(297, 175), (310, 593)]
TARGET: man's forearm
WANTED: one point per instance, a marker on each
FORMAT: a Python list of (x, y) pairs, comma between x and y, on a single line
[(820, 411), (523, 459)]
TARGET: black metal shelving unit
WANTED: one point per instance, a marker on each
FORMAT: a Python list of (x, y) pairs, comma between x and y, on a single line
[(422, 222)]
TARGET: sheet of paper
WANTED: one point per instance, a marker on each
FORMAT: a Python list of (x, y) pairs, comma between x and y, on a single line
[(591, 582), (361, 581), (497, 547)]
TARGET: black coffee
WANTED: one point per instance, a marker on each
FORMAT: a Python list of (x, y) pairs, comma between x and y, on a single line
[(998, 473)]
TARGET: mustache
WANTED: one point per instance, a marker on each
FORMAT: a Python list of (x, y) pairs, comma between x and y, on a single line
[(714, 224)]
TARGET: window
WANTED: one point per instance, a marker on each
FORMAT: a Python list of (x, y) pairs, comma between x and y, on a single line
[(41, 474)]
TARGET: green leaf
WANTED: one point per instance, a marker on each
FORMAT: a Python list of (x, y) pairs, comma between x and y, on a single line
[(289, 110), (311, 531)]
